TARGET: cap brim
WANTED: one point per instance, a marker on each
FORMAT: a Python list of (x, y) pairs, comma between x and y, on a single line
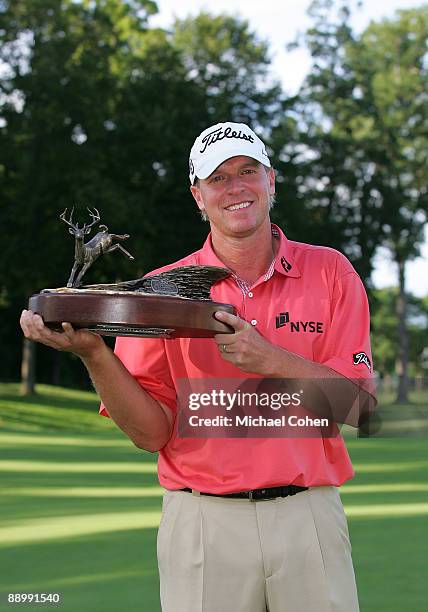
[(208, 168)]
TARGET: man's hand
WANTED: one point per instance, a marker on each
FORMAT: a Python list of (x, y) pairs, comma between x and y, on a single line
[(82, 342), (246, 348)]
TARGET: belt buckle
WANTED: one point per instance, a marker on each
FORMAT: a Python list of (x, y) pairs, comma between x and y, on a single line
[(261, 495), (258, 496)]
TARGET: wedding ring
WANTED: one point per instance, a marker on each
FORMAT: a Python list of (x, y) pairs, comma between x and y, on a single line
[(223, 348)]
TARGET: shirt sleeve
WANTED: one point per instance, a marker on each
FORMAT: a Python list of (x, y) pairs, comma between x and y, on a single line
[(346, 349), (146, 360)]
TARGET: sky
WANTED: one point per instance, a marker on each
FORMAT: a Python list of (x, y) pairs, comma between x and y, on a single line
[(278, 22)]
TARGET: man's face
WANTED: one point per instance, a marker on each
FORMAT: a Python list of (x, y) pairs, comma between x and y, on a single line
[(236, 196)]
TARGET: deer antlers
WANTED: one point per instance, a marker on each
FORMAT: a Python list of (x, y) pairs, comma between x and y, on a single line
[(75, 226), (70, 221), (95, 218)]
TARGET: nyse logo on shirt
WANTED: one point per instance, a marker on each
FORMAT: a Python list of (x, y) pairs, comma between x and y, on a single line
[(362, 358), (298, 326)]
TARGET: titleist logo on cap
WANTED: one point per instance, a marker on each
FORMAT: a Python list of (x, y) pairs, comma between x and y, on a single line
[(220, 142), (219, 134)]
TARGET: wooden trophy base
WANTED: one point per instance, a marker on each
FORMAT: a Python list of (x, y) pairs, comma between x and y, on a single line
[(124, 313)]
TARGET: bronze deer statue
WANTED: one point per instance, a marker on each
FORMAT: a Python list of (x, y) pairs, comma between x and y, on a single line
[(86, 253)]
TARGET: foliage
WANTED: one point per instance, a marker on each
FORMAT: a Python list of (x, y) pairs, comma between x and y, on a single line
[(391, 74), (385, 333), (364, 110), (100, 110), (231, 65), (364, 113)]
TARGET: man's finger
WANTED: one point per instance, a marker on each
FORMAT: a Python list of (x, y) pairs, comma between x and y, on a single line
[(234, 321), (38, 322), (38, 331), (23, 322), (68, 329), (32, 323)]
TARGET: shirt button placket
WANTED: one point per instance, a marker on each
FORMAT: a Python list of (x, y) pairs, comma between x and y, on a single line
[(250, 295)]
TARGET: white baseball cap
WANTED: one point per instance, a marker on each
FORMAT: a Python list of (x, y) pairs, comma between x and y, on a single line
[(223, 141)]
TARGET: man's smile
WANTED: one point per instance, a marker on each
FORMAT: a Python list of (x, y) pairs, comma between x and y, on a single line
[(239, 205)]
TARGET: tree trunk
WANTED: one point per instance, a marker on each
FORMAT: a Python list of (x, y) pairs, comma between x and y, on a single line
[(56, 368), (28, 367), (403, 338)]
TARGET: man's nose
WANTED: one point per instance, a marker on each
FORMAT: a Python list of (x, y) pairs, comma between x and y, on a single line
[(235, 184)]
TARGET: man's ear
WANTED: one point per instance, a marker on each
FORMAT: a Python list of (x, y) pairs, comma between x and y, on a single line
[(196, 193)]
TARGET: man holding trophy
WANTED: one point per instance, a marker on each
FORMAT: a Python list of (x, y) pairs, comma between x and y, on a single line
[(249, 524)]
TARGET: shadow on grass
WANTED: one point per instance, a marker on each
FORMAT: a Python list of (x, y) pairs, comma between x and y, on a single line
[(52, 409), (101, 573), (47, 395)]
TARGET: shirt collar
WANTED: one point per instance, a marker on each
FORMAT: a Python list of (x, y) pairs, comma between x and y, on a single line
[(208, 256), (284, 261)]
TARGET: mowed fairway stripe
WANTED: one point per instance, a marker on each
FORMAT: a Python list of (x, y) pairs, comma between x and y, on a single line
[(403, 487), (156, 491), (83, 491), (145, 467), (26, 440), (392, 466), (72, 526), (42, 529), (386, 510), (150, 467)]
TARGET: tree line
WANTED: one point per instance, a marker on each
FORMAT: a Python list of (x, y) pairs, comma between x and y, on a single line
[(99, 108)]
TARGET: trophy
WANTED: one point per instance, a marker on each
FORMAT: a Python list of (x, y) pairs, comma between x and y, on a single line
[(172, 304)]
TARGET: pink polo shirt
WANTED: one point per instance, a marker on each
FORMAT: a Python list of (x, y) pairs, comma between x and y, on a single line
[(305, 284)]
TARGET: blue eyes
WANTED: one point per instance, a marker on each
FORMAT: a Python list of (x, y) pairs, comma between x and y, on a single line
[(222, 177)]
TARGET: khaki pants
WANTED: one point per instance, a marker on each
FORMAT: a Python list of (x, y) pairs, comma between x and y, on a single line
[(289, 554)]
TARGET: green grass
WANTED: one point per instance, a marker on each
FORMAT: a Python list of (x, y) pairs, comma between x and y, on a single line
[(398, 420), (80, 507), (52, 409)]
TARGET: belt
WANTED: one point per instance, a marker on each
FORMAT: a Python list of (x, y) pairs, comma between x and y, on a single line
[(256, 494)]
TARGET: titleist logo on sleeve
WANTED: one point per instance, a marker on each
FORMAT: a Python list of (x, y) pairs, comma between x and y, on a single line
[(361, 357), (219, 134)]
